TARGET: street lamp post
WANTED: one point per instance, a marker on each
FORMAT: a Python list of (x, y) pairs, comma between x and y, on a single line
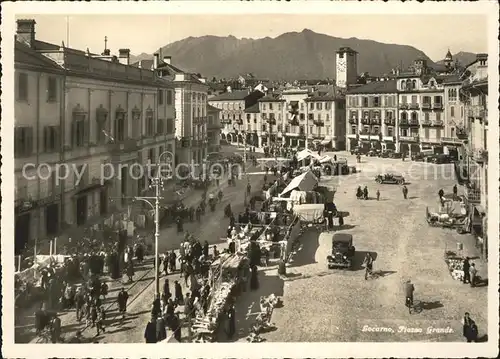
[(157, 183)]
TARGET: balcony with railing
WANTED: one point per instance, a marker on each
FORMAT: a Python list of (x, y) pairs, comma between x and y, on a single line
[(404, 122), (319, 123), (375, 120), (472, 195), (389, 121), (387, 138), (426, 105), (462, 133), (426, 123), (271, 120), (437, 123), (414, 106), (404, 106), (414, 123), (353, 120), (409, 138), (365, 120), (437, 106), (451, 140)]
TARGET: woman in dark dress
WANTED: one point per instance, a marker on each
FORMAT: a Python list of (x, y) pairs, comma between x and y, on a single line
[(254, 280)]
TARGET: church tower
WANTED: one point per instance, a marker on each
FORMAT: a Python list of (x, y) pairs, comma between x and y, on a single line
[(448, 60), (347, 67)]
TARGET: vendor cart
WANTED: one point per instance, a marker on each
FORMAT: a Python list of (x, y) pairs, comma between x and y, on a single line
[(310, 215), (447, 220)]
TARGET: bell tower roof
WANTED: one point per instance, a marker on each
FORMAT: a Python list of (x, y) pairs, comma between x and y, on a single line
[(449, 56)]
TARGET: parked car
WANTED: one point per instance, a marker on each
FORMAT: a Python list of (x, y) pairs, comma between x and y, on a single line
[(439, 159), (390, 178), (429, 158), (360, 151), (373, 153), (418, 157), (386, 153), (343, 251)]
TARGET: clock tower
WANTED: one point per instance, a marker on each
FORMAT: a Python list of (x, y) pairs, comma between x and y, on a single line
[(347, 67)]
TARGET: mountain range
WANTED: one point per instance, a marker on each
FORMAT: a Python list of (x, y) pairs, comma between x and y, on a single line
[(292, 55)]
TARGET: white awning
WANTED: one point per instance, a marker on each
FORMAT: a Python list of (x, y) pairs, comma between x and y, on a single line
[(326, 141), (305, 182), (302, 155), (325, 159)]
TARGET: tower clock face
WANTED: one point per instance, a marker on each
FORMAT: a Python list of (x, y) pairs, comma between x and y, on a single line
[(341, 65)]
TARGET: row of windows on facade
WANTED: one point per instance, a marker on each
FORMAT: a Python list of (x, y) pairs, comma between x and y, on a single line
[(389, 131), (404, 115), (312, 106), (53, 188), (291, 129), (272, 116), (52, 90), (410, 85), (23, 88), (389, 101), (51, 135)]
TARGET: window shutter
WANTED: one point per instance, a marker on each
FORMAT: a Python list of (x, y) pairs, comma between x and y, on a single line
[(29, 141), (86, 128), (73, 134), (57, 138), (125, 125), (45, 139)]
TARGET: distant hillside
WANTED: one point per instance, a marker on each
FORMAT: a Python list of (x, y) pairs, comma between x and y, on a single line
[(293, 55)]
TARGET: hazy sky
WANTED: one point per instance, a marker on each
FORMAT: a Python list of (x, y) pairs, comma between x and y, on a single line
[(433, 34)]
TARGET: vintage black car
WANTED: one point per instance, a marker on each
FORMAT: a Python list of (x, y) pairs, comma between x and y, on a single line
[(373, 153), (342, 251), (390, 178), (360, 151), (418, 157), (439, 159), (386, 153)]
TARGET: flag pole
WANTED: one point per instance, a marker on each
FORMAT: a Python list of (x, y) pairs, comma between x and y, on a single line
[(67, 31)]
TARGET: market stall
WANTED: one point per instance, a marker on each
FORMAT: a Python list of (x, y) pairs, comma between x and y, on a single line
[(227, 274)]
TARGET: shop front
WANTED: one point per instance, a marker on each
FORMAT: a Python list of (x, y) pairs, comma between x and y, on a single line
[(22, 228)]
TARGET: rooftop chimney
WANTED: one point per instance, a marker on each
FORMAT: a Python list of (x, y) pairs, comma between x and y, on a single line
[(167, 59), (26, 31), (124, 56), (156, 60)]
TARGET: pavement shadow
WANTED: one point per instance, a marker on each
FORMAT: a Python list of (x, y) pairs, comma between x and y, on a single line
[(482, 339), (345, 227), (307, 253), (481, 282), (344, 214), (413, 197), (359, 256), (382, 273), (423, 305)]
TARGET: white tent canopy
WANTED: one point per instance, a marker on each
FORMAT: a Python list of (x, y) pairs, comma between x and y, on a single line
[(305, 182), (302, 155), (325, 159)]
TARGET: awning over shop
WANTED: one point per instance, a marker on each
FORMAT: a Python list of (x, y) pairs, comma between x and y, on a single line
[(305, 182), (326, 141)]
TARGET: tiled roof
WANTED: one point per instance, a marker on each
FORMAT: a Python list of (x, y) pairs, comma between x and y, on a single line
[(213, 108), (26, 55), (231, 96), (253, 109), (375, 87), (455, 78), (273, 97), (145, 64)]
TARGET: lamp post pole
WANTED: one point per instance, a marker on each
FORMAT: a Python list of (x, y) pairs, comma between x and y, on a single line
[(157, 183)]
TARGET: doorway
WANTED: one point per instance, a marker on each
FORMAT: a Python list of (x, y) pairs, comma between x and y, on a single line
[(52, 219), (81, 210), (22, 233)]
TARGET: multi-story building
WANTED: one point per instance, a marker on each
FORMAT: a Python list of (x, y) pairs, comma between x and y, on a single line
[(94, 113), (475, 159), (372, 116), (454, 115), (191, 93), (232, 105), (272, 113), (253, 126), (213, 129)]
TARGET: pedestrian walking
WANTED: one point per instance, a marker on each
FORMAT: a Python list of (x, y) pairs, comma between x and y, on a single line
[(473, 275), (122, 302), (405, 192), (470, 329), (55, 329), (378, 195), (150, 331), (161, 331), (101, 321), (455, 192), (466, 268)]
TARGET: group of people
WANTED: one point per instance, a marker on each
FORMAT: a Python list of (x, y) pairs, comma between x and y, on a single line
[(362, 193)]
